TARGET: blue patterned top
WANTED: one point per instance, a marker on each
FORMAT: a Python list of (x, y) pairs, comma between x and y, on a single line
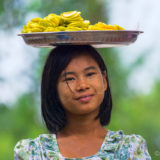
[(116, 146)]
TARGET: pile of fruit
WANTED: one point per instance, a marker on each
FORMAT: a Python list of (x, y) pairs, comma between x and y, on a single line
[(66, 21)]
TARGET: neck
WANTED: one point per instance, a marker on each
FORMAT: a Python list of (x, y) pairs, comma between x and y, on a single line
[(80, 125)]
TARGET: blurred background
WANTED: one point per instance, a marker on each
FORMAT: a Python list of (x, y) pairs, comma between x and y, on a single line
[(134, 70)]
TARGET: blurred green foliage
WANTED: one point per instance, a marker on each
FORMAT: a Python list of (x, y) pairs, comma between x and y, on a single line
[(132, 112)]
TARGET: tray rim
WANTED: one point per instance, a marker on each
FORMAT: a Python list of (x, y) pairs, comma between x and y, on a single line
[(83, 31)]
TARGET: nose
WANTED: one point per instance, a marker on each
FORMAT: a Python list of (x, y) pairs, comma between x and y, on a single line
[(82, 84)]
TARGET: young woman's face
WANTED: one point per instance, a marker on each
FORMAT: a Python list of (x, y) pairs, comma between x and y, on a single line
[(81, 86)]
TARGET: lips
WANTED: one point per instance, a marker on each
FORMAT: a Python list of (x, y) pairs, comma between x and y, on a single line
[(85, 97)]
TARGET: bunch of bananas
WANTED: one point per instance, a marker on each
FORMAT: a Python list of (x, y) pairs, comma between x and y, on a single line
[(66, 21)]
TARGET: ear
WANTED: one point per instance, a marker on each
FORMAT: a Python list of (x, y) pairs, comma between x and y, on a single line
[(105, 80)]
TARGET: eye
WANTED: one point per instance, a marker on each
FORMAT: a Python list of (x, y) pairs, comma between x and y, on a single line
[(69, 79), (90, 74)]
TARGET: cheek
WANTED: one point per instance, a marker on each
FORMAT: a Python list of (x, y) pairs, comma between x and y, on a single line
[(99, 87), (99, 90), (63, 94)]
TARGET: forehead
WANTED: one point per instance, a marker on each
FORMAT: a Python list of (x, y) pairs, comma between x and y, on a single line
[(80, 62)]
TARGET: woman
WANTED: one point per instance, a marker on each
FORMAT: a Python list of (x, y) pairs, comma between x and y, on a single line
[(76, 106)]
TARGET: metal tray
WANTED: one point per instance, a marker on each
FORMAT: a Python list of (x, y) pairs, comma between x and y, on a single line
[(98, 39)]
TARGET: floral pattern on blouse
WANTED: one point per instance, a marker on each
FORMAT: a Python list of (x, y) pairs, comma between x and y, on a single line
[(116, 146)]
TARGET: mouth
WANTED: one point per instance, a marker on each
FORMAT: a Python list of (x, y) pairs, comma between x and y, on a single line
[(85, 98)]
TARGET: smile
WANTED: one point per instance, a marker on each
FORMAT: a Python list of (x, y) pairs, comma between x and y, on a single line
[(85, 99)]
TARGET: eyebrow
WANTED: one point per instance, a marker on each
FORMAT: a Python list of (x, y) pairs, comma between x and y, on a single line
[(86, 69)]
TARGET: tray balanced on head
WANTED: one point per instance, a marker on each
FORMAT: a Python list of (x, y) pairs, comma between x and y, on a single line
[(96, 38)]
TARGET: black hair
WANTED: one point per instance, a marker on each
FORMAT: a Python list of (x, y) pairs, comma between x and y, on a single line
[(53, 112)]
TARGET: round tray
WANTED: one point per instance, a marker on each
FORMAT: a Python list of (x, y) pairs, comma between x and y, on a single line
[(98, 39)]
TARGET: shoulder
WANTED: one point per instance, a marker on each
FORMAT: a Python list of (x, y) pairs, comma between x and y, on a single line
[(126, 146), (120, 137), (137, 147), (132, 146), (133, 139), (34, 148)]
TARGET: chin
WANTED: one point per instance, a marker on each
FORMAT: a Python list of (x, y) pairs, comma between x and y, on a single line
[(84, 110)]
